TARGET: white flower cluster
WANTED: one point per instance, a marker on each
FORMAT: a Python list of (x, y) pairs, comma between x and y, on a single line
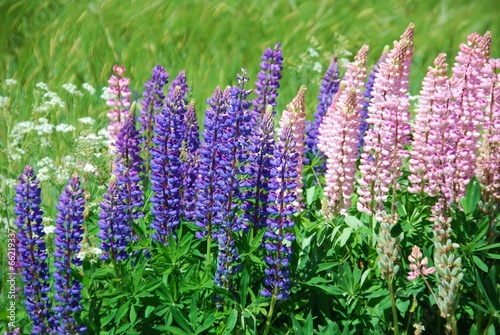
[(8, 223), (6, 182), (45, 169), (89, 88), (50, 100), (64, 128), (4, 101), (89, 252), (86, 120), (10, 82), (71, 88), (105, 95), (48, 226)]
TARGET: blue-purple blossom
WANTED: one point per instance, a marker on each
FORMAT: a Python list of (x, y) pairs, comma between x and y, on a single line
[(363, 126), (114, 230), (329, 87), (32, 252), (167, 166), (266, 87), (179, 83), (152, 102), (190, 156), (278, 236), (209, 204), (68, 235)]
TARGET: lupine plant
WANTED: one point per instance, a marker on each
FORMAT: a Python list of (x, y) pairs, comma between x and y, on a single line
[(398, 235)]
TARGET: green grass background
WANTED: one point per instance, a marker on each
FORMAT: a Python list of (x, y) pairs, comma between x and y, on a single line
[(79, 41)]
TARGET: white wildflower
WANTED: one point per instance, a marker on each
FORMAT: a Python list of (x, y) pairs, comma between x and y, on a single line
[(61, 175), (317, 67), (42, 86), (86, 120), (49, 229), (10, 82), (45, 162), (4, 101), (89, 168), (43, 174), (312, 53), (89, 88), (43, 126), (71, 88), (16, 154), (105, 95), (64, 128)]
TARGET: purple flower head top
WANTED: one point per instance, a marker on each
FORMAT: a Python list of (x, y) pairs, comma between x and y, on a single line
[(114, 230), (281, 199), (363, 125), (68, 235), (266, 87), (32, 252), (119, 102), (295, 117), (389, 134), (338, 135), (152, 103), (488, 162), (471, 83), (432, 147), (329, 87), (179, 83), (167, 166)]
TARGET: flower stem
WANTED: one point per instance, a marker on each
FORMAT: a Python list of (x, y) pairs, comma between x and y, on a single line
[(393, 305), (271, 311)]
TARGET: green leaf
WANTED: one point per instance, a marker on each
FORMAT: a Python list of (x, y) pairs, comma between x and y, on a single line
[(148, 311), (107, 319), (473, 330), (310, 195), (231, 321), (308, 325), (491, 330), (245, 279), (480, 264), (180, 319), (132, 314), (353, 222), (122, 311), (346, 233), (472, 196), (193, 311)]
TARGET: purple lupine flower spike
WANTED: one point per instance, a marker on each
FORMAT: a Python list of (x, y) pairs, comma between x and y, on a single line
[(120, 102), (363, 125), (152, 103), (266, 87), (167, 166), (32, 252), (278, 236), (208, 204), (114, 230), (329, 87), (190, 152), (180, 83), (68, 235)]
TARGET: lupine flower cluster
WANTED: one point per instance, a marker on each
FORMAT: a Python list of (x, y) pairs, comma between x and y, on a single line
[(119, 92), (281, 199), (338, 135), (69, 235), (295, 117), (418, 265), (33, 253), (152, 103), (329, 87)]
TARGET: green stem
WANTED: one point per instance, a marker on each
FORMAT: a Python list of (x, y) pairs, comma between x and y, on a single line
[(453, 323), (209, 241), (393, 306), (271, 311)]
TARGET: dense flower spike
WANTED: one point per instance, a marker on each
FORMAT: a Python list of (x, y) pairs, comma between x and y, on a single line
[(471, 83), (266, 87), (295, 116), (152, 103), (166, 166), (338, 135), (190, 155), (329, 87), (68, 236), (258, 174), (363, 125), (114, 230), (432, 138), (234, 147), (208, 204), (32, 252), (385, 141), (278, 236), (179, 83), (120, 102)]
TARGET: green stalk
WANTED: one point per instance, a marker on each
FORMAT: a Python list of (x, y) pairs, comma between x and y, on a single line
[(453, 323), (393, 306), (271, 311)]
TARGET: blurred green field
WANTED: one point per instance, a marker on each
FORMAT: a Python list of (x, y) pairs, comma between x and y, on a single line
[(79, 41)]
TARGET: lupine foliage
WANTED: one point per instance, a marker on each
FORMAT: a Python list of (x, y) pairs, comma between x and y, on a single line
[(243, 239)]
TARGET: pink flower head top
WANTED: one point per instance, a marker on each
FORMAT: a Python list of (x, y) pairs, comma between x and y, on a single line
[(119, 101), (418, 266)]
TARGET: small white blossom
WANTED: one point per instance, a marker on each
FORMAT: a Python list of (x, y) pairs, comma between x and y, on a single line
[(105, 95), (10, 82), (317, 67), (42, 86), (43, 127), (312, 53), (64, 128), (89, 88), (89, 168), (86, 120), (71, 88), (43, 174), (49, 229), (4, 101), (45, 162)]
